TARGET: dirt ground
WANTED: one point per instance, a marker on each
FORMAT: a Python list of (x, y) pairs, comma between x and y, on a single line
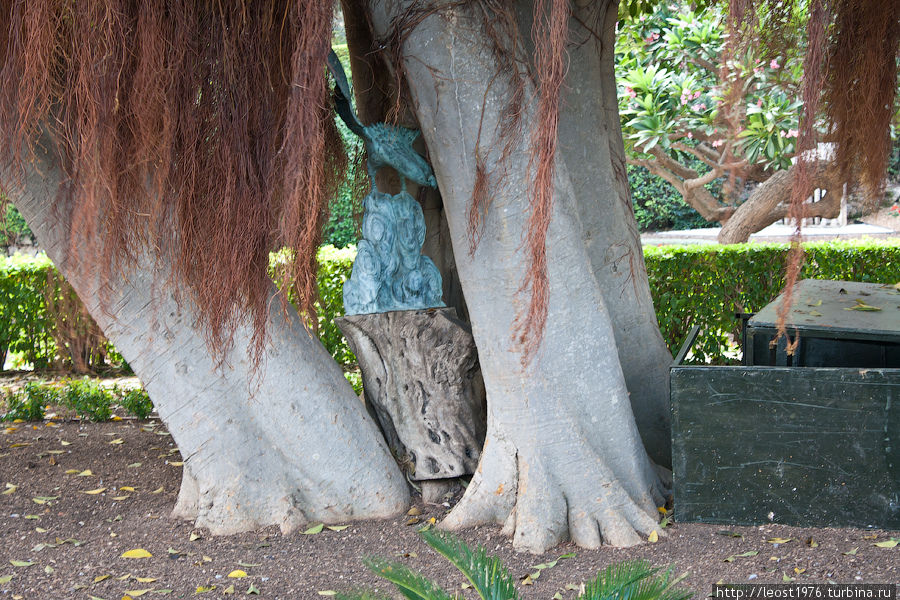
[(75, 496)]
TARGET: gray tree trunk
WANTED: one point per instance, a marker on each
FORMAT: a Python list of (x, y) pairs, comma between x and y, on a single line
[(285, 445), (563, 456)]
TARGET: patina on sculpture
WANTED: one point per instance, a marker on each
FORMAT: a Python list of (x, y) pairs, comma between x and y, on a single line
[(390, 272)]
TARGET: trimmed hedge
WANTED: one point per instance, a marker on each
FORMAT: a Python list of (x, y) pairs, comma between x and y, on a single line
[(707, 284), (703, 284)]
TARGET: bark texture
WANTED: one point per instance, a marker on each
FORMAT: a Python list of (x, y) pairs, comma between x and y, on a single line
[(420, 374), (771, 201), (285, 445), (563, 457)]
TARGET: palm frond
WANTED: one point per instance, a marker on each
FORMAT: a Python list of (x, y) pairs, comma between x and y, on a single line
[(361, 595), (633, 580), (487, 574), (411, 584)]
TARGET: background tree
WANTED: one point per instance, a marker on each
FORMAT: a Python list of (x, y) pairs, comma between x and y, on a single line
[(183, 144), (682, 125)]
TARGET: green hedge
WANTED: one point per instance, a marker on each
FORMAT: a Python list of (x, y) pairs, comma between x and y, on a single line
[(707, 284), (700, 284)]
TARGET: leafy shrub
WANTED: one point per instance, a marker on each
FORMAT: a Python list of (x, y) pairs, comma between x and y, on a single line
[(657, 205), (28, 403), (635, 580), (136, 401), (13, 227), (706, 285), (88, 399)]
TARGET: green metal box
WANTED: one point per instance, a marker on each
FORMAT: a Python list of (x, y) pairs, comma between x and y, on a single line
[(809, 445)]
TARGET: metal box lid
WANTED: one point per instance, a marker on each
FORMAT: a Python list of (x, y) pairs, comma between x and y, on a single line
[(837, 309)]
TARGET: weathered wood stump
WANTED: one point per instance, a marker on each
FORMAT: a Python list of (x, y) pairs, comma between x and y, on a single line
[(421, 375)]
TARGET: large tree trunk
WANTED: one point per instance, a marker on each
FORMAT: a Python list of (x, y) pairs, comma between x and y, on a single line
[(563, 457), (285, 444)]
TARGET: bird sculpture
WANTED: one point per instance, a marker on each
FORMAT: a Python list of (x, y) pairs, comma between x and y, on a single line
[(386, 145)]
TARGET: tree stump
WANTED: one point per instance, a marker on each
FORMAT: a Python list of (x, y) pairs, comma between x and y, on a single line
[(421, 375)]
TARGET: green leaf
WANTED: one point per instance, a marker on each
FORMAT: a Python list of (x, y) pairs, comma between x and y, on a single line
[(314, 529), (411, 584), (486, 573)]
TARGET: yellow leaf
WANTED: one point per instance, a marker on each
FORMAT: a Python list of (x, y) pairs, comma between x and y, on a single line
[(100, 578), (237, 574), (86, 473), (799, 571), (21, 563), (177, 463), (94, 492), (414, 511), (138, 593), (653, 537), (202, 589), (327, 593), (229, 590), (65, 443), (117, 441), (527, 580), (145, 579), (72, 472), (137, 553), (10, 488), (158, 490), (124, 577), (21, 445), (127, 488), (338, 527), (314, 529), (115, 418), (887, 543), (779, 540), (121, 497), (40, 530), (5, 579)]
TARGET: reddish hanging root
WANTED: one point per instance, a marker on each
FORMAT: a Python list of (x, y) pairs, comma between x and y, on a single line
[(201, 130), (861, 87), (550, 33)]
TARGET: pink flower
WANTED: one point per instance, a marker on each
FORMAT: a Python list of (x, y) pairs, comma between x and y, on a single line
[(792, 133), (690, 135), (759, 102), (774, 64), (716, 143), (631, 92), (699, 106), (696, 95), (757, 71)]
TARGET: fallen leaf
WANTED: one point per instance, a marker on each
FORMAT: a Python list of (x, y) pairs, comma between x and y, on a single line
[(121, 497), (529, 580), (414, 511), (194, 536), (870, 537), (32, 517), (145, 579), (94, 492), (86, 473), (49, 570), (137, 553), (727, 533), (73, 472), (815, 313), (202, 589), (134, 465), (812, 543), (253, 590), (20, 445), (100, 578), (327, 593), (40, 530), (557, 596), (164, 591), (779, 540), (65, 443), (127, 488), (124, 577), (229, 590), (178, 463), (785, 578), (117, 441), (338, 527), (158, 490), (566, 555), (43, 499), (413, 521), (799, 571), (10, 489), (5, 579), (138, 593), (850, 552), (653, 537), (21, 563), (887, 543), (237, 574), (248, 565), (817, 303), (743, 555)]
